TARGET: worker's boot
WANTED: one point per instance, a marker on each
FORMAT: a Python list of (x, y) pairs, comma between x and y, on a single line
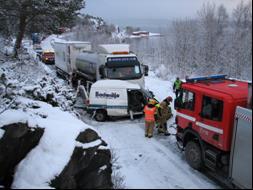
[(160, 130), (150, 135), (166, 133), (146, 131), (150, 132)]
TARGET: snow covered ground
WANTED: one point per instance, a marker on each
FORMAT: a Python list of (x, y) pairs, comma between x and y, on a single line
[(150, 163)]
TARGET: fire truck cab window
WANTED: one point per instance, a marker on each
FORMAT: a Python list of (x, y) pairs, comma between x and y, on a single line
[(188, 100), (212, 109)]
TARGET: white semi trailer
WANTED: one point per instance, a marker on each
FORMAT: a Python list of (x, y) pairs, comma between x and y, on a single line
[(66, 53), (111, 61)]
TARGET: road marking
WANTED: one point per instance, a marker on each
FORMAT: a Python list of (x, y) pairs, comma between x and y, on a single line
[(211, 128)]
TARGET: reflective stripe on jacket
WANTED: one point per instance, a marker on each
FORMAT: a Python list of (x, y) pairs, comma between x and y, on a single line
[(177, 84), (149, 113)]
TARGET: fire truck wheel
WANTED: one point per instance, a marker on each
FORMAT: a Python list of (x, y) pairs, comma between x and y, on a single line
[(100, 115), (193, 155)]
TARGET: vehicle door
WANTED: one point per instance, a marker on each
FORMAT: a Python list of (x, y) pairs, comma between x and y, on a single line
[(186, 108), (61, 57), (210, 120), (117, 102), (136, 100)]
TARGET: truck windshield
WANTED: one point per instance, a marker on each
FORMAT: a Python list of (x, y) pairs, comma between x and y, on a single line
[(123, 68)]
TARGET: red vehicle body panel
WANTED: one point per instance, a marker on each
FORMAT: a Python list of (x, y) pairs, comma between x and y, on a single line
[(232, 93), (48, 57)]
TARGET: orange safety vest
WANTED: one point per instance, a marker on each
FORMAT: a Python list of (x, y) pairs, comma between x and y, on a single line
[(149, 113)]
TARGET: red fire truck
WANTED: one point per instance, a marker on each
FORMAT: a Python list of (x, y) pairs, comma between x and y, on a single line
[(208, 111)]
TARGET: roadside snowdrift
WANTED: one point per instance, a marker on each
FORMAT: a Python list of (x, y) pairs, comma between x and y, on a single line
[(48, 159), (61, 159)]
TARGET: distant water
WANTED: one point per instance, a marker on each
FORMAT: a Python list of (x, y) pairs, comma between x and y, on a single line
[(151, 25)]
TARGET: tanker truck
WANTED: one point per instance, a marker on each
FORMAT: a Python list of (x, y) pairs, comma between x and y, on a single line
[(77, 61)]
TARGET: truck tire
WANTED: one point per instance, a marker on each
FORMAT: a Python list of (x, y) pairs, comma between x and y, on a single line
[(101, 115), (59, 74), (193, 155)]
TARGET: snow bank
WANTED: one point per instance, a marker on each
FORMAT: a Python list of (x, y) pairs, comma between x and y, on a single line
[(1, 133), (89, 145), (13, 116), (39, 82), (56, 146)]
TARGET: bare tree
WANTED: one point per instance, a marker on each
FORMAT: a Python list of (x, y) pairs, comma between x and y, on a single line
[(222, 21), (241, 50), (117, 178)]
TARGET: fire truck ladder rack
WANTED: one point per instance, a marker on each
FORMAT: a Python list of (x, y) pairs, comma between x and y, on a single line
[(208, 78)]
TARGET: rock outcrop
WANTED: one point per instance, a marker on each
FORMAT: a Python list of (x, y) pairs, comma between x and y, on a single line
[(17, 141), (89, 167)]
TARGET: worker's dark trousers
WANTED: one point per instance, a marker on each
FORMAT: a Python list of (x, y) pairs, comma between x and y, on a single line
[(177, 93), (163, 128)]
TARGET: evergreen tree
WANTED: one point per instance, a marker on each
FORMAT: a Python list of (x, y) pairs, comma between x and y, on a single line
[(42, 14)]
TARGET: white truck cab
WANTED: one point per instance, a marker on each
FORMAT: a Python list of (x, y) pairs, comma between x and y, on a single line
[(116, 98), (111, 61)]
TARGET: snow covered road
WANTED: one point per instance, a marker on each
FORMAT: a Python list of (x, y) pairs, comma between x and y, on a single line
[(150, 163)]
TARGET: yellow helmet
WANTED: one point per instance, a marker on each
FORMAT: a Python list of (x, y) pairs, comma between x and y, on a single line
[(152, 101)]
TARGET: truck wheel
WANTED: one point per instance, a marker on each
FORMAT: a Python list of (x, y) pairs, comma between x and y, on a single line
[(58, 74), (193, 155), (100, 115)]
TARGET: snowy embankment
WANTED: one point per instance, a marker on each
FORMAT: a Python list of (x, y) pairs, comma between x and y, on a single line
[(1, 133), (49, 158), (57, 147)]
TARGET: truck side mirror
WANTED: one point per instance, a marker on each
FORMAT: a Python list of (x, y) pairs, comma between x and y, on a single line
[(102, 71), (146, 70)]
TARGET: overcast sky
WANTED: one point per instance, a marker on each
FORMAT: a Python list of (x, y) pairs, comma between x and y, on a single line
[(149, 9)]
